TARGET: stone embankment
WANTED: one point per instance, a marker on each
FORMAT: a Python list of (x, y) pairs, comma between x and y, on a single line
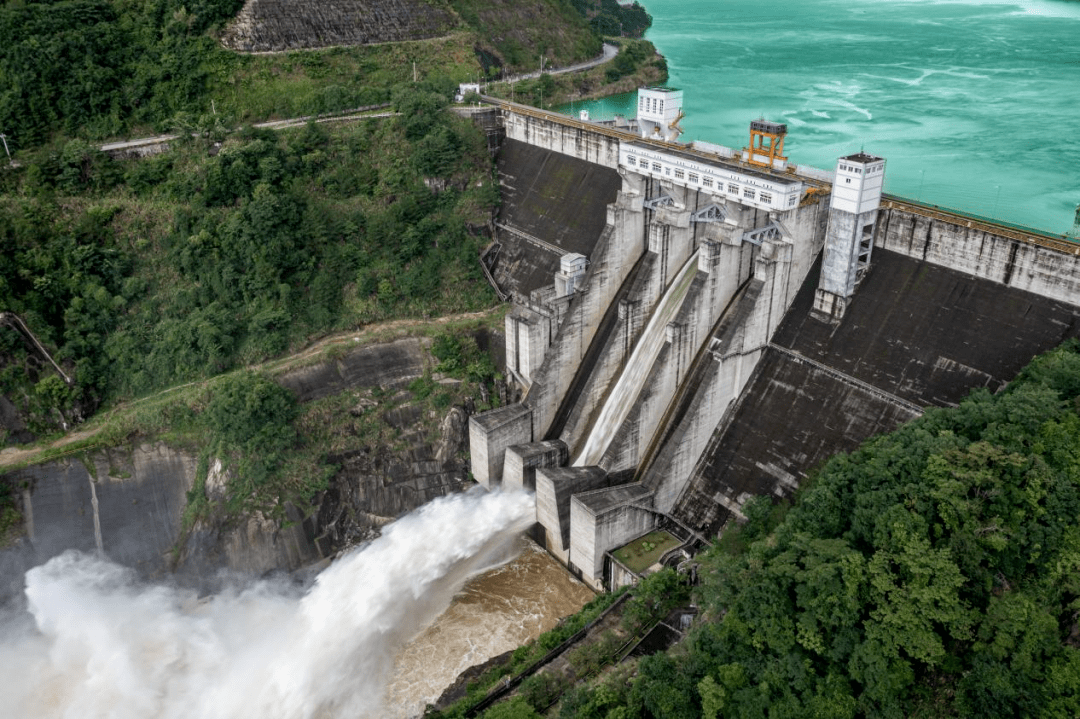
[(277, 25)]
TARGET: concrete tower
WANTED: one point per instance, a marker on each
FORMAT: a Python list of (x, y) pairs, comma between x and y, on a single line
[(659, 112), (849, 241)]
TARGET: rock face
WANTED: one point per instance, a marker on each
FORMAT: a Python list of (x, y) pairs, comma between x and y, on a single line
[(125, 503), (128, 503), (376, 485), (272, 25)]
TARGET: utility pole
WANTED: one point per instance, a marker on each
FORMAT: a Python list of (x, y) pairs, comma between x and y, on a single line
[(6, 150), (414, 71)]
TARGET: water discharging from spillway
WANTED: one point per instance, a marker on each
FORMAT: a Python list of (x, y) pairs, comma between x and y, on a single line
[(626, 390), (101, 644)]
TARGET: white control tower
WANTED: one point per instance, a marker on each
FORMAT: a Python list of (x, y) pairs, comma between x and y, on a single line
[(849, 241), (659, 111)]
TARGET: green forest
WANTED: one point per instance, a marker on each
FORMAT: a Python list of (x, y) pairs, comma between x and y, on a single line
[(107, 68), (934, 572), (147, 273)]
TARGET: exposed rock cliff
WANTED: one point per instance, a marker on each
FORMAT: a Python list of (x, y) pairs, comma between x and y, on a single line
[(267, 25), (129, 503)]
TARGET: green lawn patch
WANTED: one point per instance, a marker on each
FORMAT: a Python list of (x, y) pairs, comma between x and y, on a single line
[(644, 552)]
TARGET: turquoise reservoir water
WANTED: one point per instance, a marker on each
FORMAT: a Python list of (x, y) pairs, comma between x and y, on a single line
[(975, 104)]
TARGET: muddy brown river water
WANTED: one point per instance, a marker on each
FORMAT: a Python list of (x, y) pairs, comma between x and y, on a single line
[(495, 612)]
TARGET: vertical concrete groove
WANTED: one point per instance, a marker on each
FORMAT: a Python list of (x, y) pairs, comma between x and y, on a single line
[(1011, 264), (97, 516), (28, 514)]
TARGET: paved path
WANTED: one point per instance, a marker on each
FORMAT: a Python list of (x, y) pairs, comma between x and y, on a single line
[(270, 124), (610, 51)]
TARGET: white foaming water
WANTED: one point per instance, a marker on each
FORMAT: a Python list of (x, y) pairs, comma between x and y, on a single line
[(626, 390), (106, 646)]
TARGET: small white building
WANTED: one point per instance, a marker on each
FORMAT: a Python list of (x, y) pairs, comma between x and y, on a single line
[(466, 88), (659, 111), (572, 269)]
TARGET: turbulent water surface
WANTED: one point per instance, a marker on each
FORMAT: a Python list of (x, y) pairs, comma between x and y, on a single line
[(96, 643), (972, 102)]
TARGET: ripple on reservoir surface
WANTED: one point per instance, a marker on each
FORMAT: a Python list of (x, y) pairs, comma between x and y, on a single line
[(972, 102)]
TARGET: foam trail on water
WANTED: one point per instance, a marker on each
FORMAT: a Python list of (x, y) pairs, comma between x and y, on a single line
[(102, 645)]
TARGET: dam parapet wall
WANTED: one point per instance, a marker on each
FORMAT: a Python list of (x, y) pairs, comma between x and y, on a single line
[(1045, 266), (544, 130)]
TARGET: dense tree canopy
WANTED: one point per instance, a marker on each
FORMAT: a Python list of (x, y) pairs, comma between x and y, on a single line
[(95, 66), (185, 265)]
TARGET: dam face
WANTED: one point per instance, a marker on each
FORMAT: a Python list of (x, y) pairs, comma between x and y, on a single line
[(817, 313)]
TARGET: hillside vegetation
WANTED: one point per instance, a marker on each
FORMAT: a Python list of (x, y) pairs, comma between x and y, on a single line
[(934, 572), (99, 69), (146, 273)]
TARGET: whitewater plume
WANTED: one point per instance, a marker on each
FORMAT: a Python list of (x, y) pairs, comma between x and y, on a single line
[(103, 645)]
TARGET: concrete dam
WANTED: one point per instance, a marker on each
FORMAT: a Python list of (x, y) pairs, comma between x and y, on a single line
[(694, 325)]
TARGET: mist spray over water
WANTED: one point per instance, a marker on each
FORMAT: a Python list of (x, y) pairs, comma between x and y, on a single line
[(102, 645)]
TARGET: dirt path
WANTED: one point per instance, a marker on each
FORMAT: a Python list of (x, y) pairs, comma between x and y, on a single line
[(11, 456)]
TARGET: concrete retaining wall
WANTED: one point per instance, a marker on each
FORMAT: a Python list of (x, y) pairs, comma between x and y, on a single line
[(981, 253), (574, 141)]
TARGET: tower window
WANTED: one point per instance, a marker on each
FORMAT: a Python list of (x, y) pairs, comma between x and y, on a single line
[(656, 167), (766, 198), (679, 174), (748, 193), (733, 189), (693, 177), (707, 182)]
